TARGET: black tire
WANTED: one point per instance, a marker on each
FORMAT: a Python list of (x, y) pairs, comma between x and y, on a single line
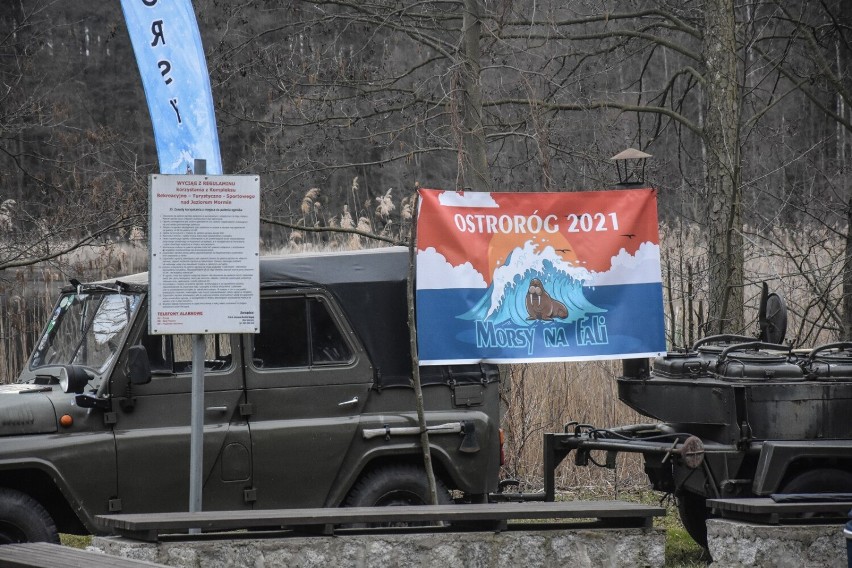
[(23, 519), (393, 486), (694, 514), (825, 480)]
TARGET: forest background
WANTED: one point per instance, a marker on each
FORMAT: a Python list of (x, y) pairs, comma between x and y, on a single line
[(344, 107)]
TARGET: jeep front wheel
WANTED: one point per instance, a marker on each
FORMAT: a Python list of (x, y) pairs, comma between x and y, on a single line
[(23, 519)]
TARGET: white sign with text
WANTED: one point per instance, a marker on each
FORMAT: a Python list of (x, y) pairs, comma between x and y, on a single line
[(204, 275)]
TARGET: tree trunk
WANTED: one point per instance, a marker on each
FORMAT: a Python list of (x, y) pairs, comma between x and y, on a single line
[(847, 276), (474, 160), (425, 446), (723, 203), (843, 68)]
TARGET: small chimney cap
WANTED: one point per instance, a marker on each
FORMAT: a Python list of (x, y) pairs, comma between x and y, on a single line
[(631, 154)]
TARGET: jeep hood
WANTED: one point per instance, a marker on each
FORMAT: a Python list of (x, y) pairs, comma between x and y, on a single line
[(25, 409)]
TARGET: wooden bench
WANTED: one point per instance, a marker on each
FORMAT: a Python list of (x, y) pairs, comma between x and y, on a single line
[(491, 516), (766, 510), (46, 555)]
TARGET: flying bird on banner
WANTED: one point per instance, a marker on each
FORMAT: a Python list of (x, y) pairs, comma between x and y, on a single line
[(531, 277)]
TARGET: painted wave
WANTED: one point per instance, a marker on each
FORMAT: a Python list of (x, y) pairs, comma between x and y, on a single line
[(505, 299)]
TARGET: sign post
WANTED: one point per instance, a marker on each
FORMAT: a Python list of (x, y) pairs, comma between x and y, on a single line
[(196, 423), (204, 275), (196, 436)]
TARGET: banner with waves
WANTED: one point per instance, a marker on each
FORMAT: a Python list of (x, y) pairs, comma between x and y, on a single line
[(171, 61), (529, 277)]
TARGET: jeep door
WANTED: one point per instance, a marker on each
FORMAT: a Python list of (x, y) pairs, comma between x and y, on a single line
[(307, 380), (153, 435)]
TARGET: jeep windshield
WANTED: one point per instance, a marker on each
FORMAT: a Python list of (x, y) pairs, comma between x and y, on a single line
[(87, 328)]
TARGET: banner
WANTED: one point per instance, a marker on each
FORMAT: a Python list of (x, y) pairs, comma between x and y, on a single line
[(171, 62), (528, 277)]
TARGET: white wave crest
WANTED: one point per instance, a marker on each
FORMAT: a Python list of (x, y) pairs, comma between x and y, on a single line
[(527, 258)]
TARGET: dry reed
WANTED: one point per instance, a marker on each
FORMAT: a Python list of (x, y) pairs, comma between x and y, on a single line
[(27, 295), (536, 398), (544, 398)]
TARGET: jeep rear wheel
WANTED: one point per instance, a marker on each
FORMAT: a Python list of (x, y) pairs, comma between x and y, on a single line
[(395, 486), (23, 519)]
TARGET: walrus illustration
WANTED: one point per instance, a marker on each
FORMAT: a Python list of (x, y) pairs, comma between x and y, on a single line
[(540, 306)]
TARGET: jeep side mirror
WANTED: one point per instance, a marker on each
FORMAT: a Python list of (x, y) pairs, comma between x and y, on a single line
[(138, 366)]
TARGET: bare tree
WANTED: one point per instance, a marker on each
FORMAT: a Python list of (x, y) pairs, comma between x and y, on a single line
[(457, 94), (724, 164), (816, 59), (67, 180), (525, 80)]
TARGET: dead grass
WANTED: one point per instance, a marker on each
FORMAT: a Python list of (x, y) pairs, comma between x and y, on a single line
[(27, 295), (544, 398), (803, 265)]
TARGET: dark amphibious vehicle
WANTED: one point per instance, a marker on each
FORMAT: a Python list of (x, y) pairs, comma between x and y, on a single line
[(739, 417), (317, 410)]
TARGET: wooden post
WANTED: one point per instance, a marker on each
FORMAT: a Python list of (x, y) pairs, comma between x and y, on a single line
[(415, 359)]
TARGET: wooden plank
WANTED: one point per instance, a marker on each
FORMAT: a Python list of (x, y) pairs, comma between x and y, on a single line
[(765, 510), (148, 526), (538, 510), (766, 505), (46, 555)]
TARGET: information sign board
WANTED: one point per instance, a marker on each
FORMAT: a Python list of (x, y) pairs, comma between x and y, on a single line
[(204, 266)]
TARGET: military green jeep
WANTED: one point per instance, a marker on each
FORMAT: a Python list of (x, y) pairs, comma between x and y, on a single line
[(317, 410)]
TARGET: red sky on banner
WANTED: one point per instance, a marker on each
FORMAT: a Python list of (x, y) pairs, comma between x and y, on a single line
[(592, 227)]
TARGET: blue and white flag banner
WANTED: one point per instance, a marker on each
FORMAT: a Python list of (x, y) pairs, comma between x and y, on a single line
[(533, 277), (167, 44)]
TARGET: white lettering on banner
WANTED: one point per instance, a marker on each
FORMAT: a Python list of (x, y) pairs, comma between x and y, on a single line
[(592, 222), (488, 335), (592, 331), (520, 224), (490, 224)]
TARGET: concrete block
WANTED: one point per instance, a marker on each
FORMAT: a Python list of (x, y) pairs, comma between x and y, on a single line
[(577, 548), (742, 544)]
